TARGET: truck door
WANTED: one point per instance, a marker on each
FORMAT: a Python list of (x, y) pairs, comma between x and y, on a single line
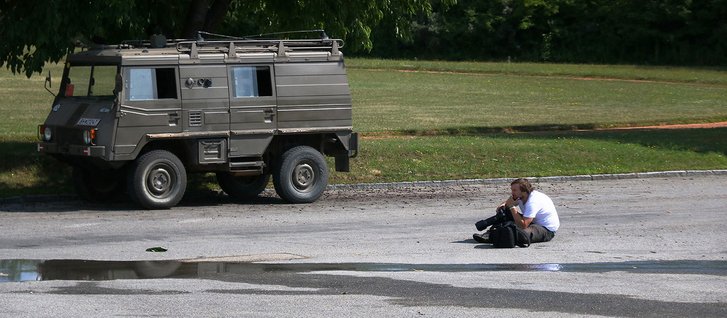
[(253, 109), (150, 105), (205, 102)]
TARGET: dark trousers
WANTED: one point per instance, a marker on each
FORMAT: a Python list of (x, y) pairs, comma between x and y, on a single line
[(539, 233)]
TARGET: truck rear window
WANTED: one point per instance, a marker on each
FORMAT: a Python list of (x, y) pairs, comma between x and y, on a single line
[(252, 81)]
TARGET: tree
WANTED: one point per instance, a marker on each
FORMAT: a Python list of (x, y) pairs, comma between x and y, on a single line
[(34, 34), (686, 32)]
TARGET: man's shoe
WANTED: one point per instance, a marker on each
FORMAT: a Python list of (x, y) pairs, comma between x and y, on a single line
[(481, 238)]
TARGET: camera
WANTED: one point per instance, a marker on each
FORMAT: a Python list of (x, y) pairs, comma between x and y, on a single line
[(501, 215)]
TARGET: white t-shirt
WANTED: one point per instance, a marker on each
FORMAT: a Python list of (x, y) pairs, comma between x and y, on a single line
[(541, 208)]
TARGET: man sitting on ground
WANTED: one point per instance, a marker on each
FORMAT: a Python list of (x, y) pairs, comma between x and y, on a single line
[(539, 219)]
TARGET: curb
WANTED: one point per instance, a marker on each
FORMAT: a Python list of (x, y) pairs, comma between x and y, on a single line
[(434, 184), (594, 177)]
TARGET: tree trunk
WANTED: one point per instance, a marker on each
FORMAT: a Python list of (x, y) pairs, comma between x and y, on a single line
[(196, 18), (204, 15), (216, 15)]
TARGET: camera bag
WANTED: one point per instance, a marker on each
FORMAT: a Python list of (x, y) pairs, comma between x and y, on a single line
[(508, 235)]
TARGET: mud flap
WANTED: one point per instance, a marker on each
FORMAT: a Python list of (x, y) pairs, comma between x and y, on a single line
[(342, 163)]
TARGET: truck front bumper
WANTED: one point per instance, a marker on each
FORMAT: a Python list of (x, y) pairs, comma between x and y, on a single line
[(72, 150)]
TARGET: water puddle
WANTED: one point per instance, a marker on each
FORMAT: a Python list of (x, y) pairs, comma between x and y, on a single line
[(90, 270)]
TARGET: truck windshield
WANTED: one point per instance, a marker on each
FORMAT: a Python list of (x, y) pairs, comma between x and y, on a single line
[(87, 81)]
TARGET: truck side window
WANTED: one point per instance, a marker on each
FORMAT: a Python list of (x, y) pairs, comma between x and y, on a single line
[(252, 81), (152, 83)]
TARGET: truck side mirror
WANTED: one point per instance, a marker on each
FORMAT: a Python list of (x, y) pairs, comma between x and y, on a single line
[(48, 84)]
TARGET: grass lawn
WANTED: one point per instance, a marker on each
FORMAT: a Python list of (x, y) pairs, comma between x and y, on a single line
[(413, 158), (24, 103), (423, 120), (393, 100), (623, 72)]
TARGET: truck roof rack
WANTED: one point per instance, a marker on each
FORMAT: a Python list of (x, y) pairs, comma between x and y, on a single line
[(280, 46), (257, 43), (206, 42)]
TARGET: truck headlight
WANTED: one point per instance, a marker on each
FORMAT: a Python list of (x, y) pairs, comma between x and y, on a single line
[(47, 133)]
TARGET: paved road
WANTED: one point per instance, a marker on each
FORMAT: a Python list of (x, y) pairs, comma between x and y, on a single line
[(635, 247)]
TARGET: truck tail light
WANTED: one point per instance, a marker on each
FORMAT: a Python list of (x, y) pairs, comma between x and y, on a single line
[(89, 136), (69, 90)]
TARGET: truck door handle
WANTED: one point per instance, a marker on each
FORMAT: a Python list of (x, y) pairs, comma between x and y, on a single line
[(173, 119), (269, 116)]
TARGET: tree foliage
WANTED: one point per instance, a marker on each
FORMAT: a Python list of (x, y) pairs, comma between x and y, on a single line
[(35, 34), (691, 32)]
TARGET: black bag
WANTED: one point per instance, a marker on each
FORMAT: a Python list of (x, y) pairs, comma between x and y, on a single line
[(507, 235)]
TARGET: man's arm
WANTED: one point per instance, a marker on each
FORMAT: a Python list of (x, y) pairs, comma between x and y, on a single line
[(520, 221)]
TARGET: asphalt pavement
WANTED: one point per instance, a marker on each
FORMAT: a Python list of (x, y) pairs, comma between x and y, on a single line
[(636, 246)]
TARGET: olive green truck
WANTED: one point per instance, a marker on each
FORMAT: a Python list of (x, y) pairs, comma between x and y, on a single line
[(137, 117)]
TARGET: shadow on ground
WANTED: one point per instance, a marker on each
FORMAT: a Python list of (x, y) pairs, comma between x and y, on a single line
[(701, 140), (23, 171)]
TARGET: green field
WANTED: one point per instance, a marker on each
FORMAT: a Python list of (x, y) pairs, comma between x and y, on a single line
[(424, 120), (390, 99)]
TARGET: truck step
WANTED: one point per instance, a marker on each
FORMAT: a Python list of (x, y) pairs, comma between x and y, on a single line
[(247, 166)]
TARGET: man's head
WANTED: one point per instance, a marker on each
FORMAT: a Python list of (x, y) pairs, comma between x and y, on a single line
[(521, 189)]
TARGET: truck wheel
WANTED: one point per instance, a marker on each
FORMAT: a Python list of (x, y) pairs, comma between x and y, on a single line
[(95, 185), (242, 187), (301, 175), (157, 180)]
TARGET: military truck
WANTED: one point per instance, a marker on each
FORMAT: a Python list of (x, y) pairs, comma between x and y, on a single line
[(139, 116)]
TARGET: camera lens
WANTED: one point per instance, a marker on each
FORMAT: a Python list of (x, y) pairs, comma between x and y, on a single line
[(481, 225)]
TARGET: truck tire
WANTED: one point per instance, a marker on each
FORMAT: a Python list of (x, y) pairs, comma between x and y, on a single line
[(301, 175), (242, 187), (157, 180), (96, 185)]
